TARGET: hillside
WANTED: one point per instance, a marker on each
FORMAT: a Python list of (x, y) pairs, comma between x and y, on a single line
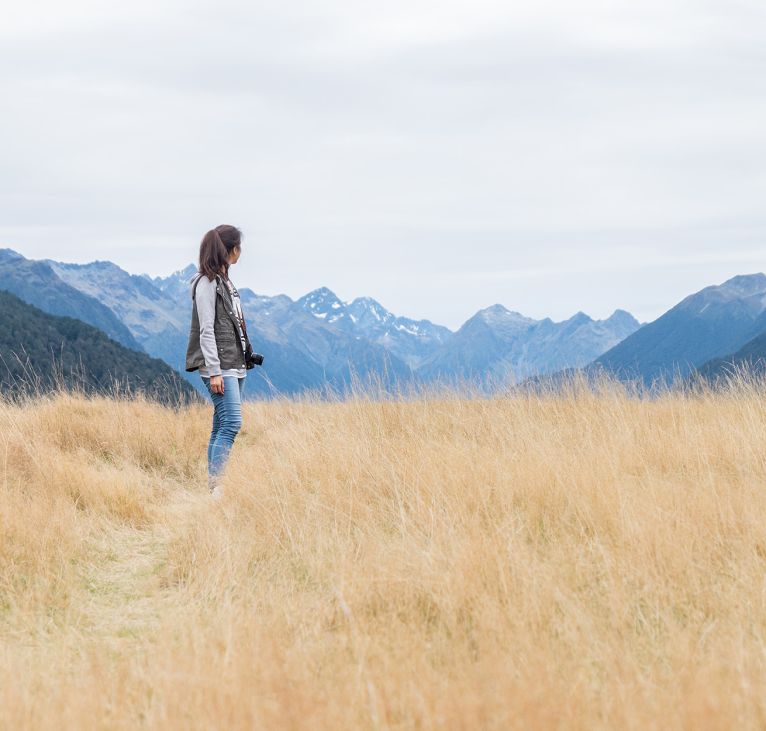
[(36, 283), (38, 350), (751, 357), (577, 562), (711, 323)]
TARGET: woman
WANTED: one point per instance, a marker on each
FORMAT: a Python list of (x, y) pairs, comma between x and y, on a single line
[(218, 343)]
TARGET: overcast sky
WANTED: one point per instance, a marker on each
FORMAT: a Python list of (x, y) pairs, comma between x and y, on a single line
[(550, 155)]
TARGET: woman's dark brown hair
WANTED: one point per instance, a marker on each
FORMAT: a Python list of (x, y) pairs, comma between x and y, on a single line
[(215, 248)]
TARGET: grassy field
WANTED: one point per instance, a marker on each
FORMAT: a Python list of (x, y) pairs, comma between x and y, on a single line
[(581, 561)]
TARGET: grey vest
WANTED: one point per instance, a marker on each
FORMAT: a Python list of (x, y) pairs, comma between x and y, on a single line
[(226, 329)]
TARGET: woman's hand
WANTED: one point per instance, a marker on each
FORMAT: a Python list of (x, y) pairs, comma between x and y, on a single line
[(216, 384)]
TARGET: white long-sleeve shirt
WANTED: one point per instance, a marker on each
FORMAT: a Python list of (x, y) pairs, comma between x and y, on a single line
[(206, 295)]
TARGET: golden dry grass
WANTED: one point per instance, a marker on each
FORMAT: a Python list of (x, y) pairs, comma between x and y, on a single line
[(587, 560)]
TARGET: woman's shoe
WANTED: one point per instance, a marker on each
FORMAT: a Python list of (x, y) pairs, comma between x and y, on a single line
[(214, 485)]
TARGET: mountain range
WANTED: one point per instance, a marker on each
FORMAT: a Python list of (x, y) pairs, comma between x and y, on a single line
[(495, 341), (497, 346), (318, 340)]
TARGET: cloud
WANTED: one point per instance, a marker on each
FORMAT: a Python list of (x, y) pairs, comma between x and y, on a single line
[(389, 149)]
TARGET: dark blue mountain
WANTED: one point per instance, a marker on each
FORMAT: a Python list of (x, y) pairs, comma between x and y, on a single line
[(749, 359), (712, 323)]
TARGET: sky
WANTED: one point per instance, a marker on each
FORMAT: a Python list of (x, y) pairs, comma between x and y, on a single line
[(553, 156)]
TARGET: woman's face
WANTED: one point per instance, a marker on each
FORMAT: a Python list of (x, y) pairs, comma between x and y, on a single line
[(234, 255)]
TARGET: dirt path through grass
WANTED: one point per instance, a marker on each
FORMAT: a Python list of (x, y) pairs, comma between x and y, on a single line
[(124, 577)]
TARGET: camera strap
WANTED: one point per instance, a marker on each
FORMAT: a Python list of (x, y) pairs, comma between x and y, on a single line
[(235, 311)]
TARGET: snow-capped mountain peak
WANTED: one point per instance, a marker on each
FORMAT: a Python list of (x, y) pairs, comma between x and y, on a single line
[(322, 303), (368, 311)]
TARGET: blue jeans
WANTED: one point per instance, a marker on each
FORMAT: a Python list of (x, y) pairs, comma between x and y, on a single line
[(227, 421)]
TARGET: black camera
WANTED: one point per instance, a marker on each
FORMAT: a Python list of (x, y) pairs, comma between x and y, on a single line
[(252, 359)]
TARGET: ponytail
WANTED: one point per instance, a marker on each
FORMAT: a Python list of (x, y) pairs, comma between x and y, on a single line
[(215, 248)]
